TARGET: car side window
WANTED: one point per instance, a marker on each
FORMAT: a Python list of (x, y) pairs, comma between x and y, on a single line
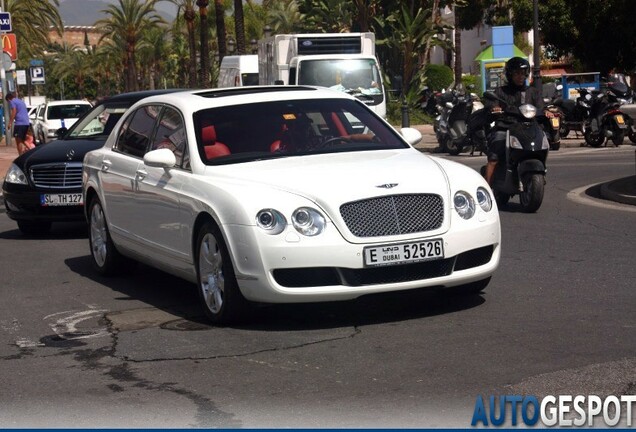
[(171, 135), (135, 132)]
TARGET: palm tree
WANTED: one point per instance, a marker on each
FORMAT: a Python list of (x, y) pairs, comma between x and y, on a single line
[(73, 62), (31, 21), (285, 17), (189, 16), (205, 46), (219, 11), (239, 26), (331, 16), (130, 19)]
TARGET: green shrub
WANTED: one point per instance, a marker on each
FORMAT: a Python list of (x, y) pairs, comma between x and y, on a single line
[(438, 77)]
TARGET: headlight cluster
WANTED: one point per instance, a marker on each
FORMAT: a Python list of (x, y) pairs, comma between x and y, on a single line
[(306, 220), (464, 203), (528, 111), (15, 175)]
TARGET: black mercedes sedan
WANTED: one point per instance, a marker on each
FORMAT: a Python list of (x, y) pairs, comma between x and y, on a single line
[(44, 185)]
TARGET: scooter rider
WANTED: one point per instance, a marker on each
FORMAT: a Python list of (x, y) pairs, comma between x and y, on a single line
[(515, 93)]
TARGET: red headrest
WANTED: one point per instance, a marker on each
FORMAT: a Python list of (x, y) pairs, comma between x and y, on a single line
[(208, 135)]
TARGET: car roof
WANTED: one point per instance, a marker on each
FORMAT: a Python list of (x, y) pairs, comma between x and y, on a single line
[(68, 102), (132, 97), (195, 100)]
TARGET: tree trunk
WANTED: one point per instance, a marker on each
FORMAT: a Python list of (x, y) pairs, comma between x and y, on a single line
[(458, 50), (220, 28), (239, 26), (189, 16), (205, 47)]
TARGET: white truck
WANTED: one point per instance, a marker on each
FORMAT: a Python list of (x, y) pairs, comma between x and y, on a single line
[(341, 61)]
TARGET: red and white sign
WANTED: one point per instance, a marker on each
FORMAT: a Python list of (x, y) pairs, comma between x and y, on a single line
[(10, 45)]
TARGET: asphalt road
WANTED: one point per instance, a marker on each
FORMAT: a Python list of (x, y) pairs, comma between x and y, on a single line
[(79, 350)]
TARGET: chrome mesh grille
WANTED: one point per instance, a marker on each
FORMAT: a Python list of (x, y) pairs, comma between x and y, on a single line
[(393, 215), (63, 175)]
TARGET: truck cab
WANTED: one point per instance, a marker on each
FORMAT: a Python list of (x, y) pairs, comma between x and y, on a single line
[(341, 61)]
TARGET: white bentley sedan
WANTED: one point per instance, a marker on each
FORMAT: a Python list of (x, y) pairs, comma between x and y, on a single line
[(284, 194)]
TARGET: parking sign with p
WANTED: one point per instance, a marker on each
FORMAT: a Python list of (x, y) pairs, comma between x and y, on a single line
[(37, 75)]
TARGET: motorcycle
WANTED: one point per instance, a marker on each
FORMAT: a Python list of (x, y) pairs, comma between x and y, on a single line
[(552, 125), (574, 112), (523, 170), (619, 92), (606, 120), (455, 107)]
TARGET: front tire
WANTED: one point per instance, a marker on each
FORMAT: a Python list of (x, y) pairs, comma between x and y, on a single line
[(532, 195), (594, 139), (106, 258), (501, 198), (219, 293), (632, 136)]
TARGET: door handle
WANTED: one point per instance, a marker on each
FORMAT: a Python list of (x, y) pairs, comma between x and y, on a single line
[(106, 165), (140, 174)]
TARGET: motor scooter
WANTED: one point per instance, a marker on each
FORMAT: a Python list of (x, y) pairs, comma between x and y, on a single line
[(523, 170), (606, 120)]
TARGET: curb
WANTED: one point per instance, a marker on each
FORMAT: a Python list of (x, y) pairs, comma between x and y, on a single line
[(610, 190)]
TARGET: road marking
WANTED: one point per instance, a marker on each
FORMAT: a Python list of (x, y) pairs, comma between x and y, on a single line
[(65, 327)]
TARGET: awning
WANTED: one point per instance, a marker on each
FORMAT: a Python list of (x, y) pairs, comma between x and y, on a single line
[(557, 72)]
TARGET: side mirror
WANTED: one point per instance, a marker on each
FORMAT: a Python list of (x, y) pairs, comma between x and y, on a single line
[(412, 136), (61, 132), (160, 158)]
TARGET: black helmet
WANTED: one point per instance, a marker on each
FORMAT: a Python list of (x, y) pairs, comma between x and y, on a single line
[(516, 63)]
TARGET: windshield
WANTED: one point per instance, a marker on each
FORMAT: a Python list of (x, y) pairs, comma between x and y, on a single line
[(57, 112), (348, 75), (249, 79), (99, 122), (290, 128)]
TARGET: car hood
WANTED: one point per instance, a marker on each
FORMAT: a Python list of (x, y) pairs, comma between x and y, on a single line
[(60, 151), (341, 177)]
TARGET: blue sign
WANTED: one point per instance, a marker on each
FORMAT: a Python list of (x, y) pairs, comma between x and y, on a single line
[(5, 22), (35, 62)]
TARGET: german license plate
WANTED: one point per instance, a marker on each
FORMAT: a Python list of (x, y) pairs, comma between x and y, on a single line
[(51, 200), (404, 253), (619, 119)]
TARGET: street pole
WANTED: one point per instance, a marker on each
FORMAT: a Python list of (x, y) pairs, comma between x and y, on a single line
[(536, 73), (5, 104)]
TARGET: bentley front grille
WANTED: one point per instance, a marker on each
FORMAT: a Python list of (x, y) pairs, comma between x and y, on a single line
[(393, 215)]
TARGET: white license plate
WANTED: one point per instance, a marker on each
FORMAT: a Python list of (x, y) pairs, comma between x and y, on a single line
[(50, 200), (404, 252)]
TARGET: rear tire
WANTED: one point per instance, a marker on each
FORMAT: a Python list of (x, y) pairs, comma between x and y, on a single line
[(632, 136), (34, 227), (532, 195), (618, 138), (219, 294), (453, 148)]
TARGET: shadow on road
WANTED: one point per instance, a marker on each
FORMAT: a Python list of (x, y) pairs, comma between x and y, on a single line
[(179, 298)]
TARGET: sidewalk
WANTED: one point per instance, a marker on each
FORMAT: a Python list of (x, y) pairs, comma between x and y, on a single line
[(620, 190)]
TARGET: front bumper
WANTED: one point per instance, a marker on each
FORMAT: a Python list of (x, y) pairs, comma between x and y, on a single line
[(23, 203), (289, 269)]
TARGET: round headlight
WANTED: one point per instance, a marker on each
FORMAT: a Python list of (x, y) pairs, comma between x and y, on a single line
[(464, 204), (308, 221), (272, 221), (483, 199), (15, 175), (528, 111)]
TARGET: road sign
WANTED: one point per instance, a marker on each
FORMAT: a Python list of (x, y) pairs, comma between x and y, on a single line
[(37, 75), (36, 62), (5, 22), (21, 77), (10, 46)]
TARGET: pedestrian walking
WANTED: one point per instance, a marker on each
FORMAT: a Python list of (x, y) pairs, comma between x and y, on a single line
[(19, 120)]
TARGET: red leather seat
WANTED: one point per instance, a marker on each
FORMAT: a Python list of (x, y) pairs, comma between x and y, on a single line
[(212, 147)]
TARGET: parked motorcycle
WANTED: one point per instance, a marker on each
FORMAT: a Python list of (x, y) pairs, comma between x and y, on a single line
[(619, 92), (574, 112), (523, 170), (552, 125), (607, 121), (455, 107)]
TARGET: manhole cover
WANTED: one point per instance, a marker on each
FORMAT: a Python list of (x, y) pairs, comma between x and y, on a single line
[(184, 325)]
